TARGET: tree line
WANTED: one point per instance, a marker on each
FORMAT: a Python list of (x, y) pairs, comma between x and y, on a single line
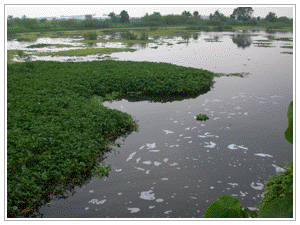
[(240, 16)]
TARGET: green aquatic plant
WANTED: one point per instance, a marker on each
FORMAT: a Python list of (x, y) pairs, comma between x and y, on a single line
[(202, 117), (101, 171), (289, 131)]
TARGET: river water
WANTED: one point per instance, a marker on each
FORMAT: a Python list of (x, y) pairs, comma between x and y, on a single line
[(176, 166)]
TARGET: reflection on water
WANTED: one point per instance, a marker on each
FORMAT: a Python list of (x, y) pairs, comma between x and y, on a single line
[(242, 40)]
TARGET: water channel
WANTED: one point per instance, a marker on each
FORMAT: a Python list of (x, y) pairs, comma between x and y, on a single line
[(176, 166)]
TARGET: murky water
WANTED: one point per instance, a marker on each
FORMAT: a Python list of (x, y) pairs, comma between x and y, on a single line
[(176, 166)]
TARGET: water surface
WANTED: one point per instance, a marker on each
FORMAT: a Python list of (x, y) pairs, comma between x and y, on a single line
[(176, 166)]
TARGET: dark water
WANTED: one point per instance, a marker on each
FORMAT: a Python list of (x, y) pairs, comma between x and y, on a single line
[(176, 166)]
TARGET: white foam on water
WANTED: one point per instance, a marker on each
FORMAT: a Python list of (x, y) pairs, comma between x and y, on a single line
[(167, 212), (147, 172), (217, 100), (157, 163), (165, 178), (194, 128), (238, 107), (147, 162), (175, 121), (159, 200), (212, 187), (206, 109), (172, 146), (243, 194), (259, 186), (86, 208), (261, 102), (246, 113), (151, 145), (120, 193), (212, 144), (137, 160), (187, 128), (263, 155), (190, 141), (232, 114), (232, 146), (154, 150), (150, 207), (228, 117), (165, 159), (130, 157), (168, 131), (194, 198), (180, 135), (186, 186), (91, 191), (96, 201), (139, 168), (234, 195), (147, 195), (142, 147), (133, 210), (233, 184), (234, 97), (278, 169), (119, 170), (275, 102), (174, 164), (187, 137), (216, 118)]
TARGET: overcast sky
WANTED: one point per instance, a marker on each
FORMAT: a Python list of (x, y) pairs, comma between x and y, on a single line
[(34, 11)]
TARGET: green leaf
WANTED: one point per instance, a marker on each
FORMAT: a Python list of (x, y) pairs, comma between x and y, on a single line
[(278, 208), (225, 207), (289, 130)]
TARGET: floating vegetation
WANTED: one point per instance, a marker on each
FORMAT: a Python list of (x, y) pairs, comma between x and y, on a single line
[(264, 45), (231, 74), (155, 47), (202, 117), (181, 42), (280, 38), (286, 46), (211, 40), (49, 45), (87, 51), (170, 44), (286, 52)]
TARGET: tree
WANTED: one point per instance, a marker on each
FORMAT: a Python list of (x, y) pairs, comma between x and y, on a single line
[(124, 17), (242, 13), (196, 14), (218, 15), (88, 17), (113, 17), (271, 17), (258, 18), (186, 13), (10, 17)]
